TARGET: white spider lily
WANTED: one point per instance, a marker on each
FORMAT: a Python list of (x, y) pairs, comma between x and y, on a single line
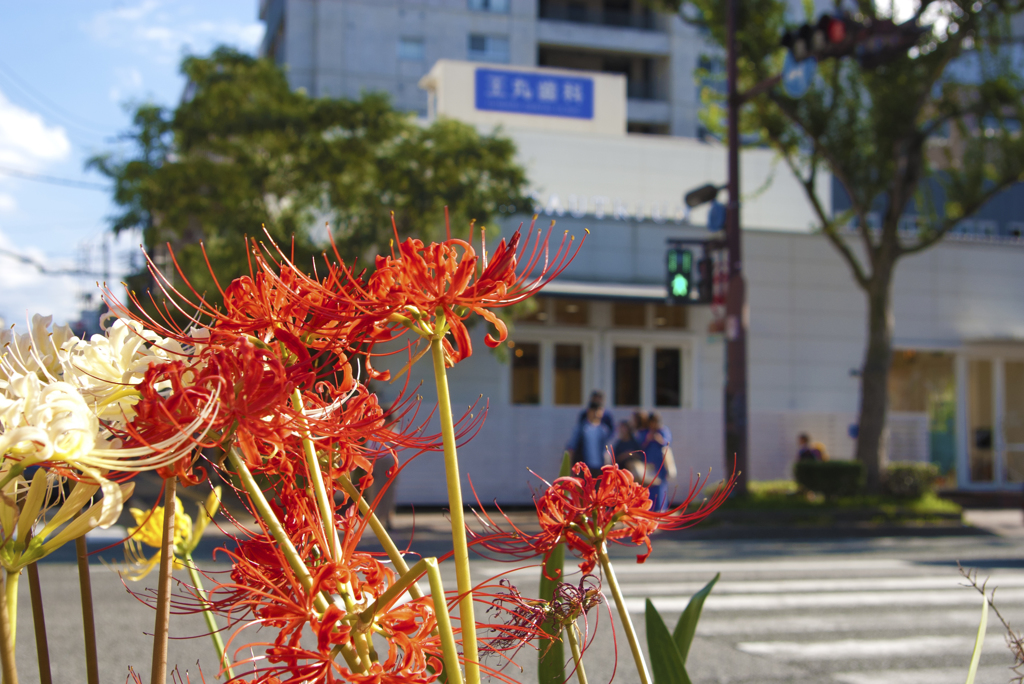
[(53, 422), (25, 535)]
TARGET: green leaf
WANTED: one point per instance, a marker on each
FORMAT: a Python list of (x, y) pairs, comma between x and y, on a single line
[(979, 642), (687, 625), (551, 659), (667, 664)]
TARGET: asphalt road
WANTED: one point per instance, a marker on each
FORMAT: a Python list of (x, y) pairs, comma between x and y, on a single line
[(886, 610)]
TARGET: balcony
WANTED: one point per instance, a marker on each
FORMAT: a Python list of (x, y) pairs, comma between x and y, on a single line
[(580, 13)]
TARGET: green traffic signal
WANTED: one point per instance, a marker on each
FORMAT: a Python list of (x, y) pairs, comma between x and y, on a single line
[(680, 285)]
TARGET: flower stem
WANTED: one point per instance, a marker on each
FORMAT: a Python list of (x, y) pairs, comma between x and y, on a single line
[(444, 624), (274, 526), (158, 673), (394, 555), (92, 663), (7, 663), (461, 548), (577, 657), (316, 479), (39, 622), (211, 622), (12, 601), (627, 624)]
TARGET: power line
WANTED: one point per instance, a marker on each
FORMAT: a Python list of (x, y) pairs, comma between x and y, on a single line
[(43, 268), (47, 103), (53, 180)]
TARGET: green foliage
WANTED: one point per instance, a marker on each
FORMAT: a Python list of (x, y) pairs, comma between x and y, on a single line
[(667, 663), (830, 478), (979, 641), (909, 480), (687, 625), (244, 150), (551, 658), (669, 651)]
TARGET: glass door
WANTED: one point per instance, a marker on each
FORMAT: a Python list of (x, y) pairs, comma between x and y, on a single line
[(1013, 421), (995, 421)]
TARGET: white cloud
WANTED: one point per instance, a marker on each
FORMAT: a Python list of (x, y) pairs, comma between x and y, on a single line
[(7, 203), (25, 139), (163, 31), (26, 291)]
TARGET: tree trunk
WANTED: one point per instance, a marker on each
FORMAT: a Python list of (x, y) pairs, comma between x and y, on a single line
[(874, 385)]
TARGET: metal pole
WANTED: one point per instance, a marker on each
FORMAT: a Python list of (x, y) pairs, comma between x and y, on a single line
[(736, 300)]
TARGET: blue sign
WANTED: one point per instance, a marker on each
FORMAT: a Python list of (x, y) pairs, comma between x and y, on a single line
[(716, 217), (798, 76), (531, 93)]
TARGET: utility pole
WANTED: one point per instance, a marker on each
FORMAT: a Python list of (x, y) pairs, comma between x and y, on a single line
[(736, 300)]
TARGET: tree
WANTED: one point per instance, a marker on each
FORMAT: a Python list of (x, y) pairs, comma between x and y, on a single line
[(243, 150), (875, 130)]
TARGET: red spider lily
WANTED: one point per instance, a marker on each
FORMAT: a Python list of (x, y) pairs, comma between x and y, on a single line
[(585, 511)]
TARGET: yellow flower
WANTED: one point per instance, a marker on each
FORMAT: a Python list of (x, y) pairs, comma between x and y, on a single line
[(148, 531)]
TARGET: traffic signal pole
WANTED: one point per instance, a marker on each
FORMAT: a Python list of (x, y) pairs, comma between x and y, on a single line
[(736, 300)]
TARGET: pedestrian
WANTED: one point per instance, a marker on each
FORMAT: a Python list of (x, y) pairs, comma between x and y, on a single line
[(626, 445), (597, 397), (590, 438), (810, 451), (659, 462)]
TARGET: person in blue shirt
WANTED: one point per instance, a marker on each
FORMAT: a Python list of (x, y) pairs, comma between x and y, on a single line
[(589, 441), (655, 441)]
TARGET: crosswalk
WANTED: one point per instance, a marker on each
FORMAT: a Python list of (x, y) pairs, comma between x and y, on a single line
[(847, 620)]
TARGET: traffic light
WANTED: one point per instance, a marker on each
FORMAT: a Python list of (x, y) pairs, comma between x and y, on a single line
[(705, 280), (680, 274), (831, 37), (872, 43)]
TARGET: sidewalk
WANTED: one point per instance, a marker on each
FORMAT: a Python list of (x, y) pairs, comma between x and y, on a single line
[(1003, 522)]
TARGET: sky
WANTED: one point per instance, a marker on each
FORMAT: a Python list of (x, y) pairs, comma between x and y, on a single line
[(69, 72)]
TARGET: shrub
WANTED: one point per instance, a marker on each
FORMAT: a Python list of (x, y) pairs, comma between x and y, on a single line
[(830, 478), (909, 480)]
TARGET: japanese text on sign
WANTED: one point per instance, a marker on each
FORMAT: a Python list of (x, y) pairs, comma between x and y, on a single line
[(539, 94)]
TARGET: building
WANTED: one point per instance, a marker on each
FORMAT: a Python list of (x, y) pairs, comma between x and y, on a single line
[(957, 384), (343, 47)]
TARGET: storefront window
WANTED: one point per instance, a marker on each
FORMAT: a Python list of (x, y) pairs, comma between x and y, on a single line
[(629, 314), (526, 373), (667, 367), (627, 376), (668, 316), (925, 382), (572, 311), (569, 374), (534, 310)]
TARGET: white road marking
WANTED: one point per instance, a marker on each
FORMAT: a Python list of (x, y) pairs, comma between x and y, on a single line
[(950, 581), (845, 599), (948, 675), (844, 622), (846, 649)]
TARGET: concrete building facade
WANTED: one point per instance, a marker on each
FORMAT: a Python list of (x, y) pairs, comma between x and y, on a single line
[(343, 47)]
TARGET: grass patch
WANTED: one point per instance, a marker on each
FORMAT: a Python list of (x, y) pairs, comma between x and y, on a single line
[(778, 495)]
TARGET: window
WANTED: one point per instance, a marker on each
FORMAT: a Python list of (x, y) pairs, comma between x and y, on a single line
[(980, 412), (629, 314), (534, 310), (572, 311), (569, 374), (667, 377), (627, 376), (668, 316), (496, 6), (410, 49), (526, 373), (485, 48)]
